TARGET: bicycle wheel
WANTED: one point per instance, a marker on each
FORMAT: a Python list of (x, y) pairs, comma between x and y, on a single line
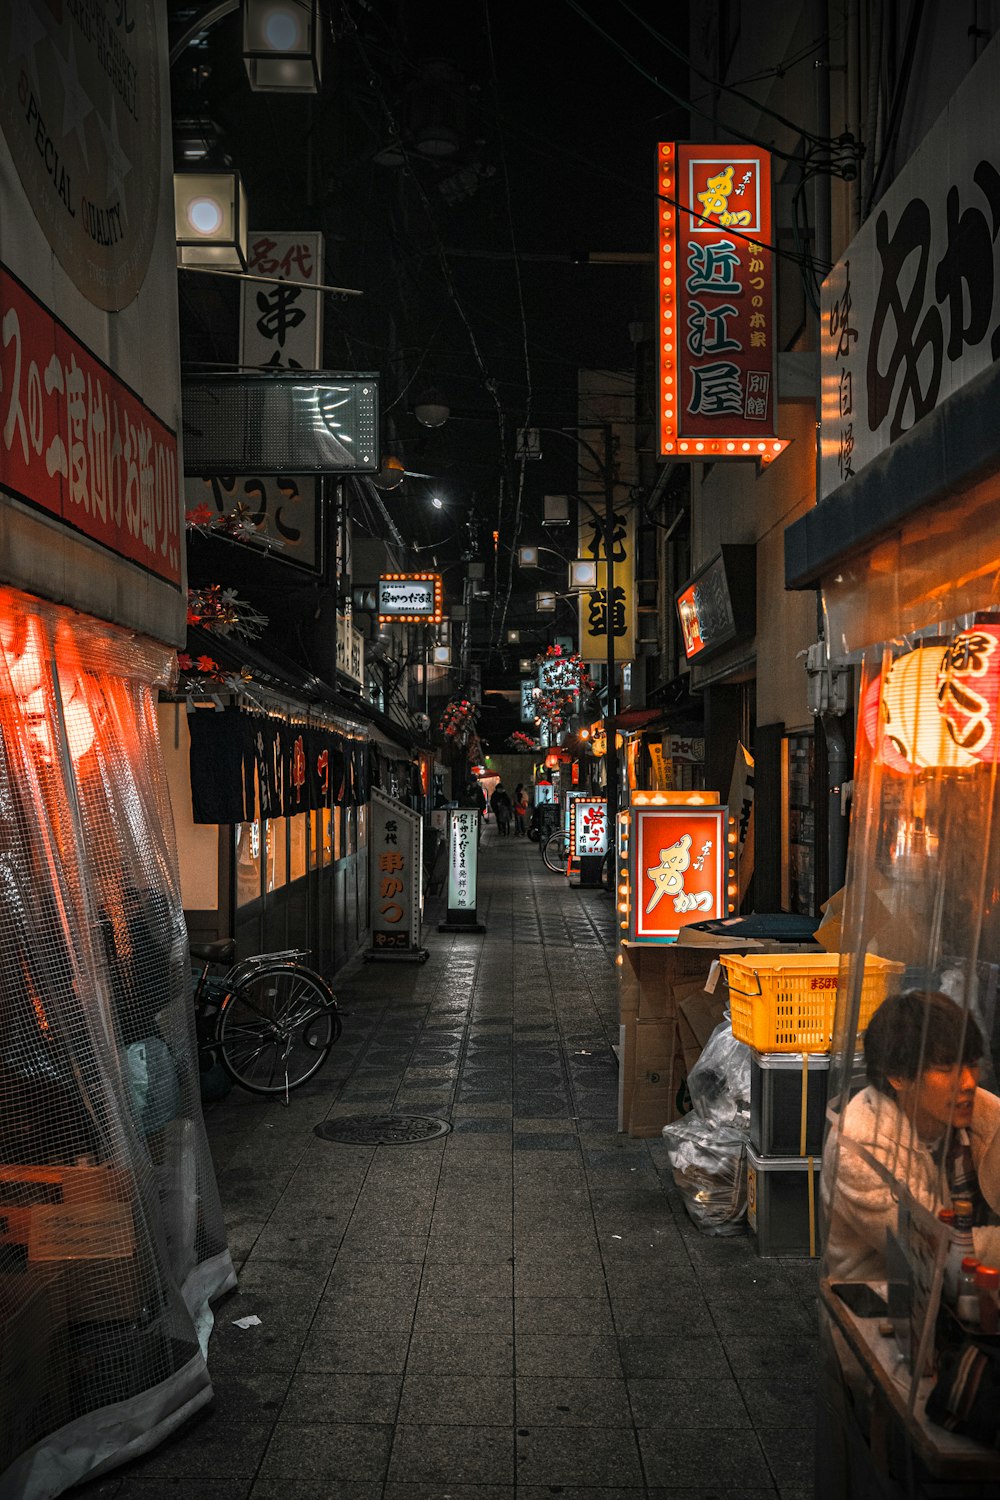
[(555, 852), (277, 1027)]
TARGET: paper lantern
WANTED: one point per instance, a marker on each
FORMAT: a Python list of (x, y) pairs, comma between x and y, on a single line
[(871, 718), (912, 719), (968, 690)]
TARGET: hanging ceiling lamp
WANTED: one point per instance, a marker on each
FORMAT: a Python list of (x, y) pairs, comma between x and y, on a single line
[(282, 46), (210, 216), (432, 410)]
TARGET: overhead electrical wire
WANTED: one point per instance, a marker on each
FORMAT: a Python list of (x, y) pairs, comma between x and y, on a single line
[(666, 89), (717, 83)]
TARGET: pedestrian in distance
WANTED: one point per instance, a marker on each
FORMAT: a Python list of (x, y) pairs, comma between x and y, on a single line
[(502, 809), (520, 811)]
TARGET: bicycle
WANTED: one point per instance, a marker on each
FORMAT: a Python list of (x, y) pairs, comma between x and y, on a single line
[(269, 1020), (555, 851)]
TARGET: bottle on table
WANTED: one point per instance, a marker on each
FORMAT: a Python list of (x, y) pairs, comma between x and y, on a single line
[(953, 1260), (967, 1302)]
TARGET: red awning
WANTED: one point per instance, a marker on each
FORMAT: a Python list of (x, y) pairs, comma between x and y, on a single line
[(633, 719)]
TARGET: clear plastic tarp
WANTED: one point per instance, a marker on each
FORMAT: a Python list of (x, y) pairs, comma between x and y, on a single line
[(111, 1233), (914, 1117)]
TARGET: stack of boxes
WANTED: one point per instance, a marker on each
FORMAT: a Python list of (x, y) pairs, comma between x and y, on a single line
[(665, 1017), (787, 1115)]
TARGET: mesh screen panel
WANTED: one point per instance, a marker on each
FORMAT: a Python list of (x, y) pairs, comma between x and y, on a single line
[(111, 1231), (281, 424)]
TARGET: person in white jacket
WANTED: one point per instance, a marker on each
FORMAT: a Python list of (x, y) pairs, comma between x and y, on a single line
[(922, 1123)]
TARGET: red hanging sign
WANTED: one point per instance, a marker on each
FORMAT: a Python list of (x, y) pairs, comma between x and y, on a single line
[(717, 322)]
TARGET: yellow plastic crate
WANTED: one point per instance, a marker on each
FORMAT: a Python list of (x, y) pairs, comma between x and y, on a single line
[(785, 1002)]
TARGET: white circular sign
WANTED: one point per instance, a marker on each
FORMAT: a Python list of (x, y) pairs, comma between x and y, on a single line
[(80, 110)]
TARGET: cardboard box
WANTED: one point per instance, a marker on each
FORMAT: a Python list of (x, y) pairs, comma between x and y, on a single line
[(698, 1015), (51, 1189), (650, 1063)]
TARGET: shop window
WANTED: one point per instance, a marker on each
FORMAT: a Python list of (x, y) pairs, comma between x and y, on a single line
[(248, 862), (298, 833), (276, 847), (197, 843), (317, 841)]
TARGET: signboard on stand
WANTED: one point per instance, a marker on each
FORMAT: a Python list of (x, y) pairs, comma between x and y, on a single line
[(589, 828), (395, 880), (679, 863), (463, 871)]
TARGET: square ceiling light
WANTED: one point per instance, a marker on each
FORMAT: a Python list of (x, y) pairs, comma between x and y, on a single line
[(282, 46), (582, 573), (210, 217), (545, 602)]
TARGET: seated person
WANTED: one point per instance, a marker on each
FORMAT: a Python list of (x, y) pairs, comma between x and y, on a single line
[(922, 1122)]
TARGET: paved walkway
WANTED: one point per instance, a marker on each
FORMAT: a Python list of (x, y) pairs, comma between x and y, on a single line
[(520, 1308)]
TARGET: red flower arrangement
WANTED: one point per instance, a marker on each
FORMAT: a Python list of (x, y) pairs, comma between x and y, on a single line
[(458, 719), (563, 679), (521, 741), (223, 611)]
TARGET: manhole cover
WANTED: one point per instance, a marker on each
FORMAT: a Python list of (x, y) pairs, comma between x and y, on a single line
[(382, 1130)]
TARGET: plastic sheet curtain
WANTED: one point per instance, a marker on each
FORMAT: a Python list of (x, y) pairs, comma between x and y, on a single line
[(111, 1233)]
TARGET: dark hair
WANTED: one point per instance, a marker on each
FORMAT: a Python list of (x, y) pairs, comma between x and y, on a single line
[(918, 1029)]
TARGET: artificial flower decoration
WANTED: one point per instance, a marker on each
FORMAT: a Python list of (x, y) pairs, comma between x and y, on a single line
[(223, 611), (241, 524), (458, 720), (521, 741), (563, 679)]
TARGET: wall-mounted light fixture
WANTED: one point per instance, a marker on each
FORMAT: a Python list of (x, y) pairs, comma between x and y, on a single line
[(582, 573), (210, 217), (527, 557), (282, 46), (513, 637), (545, 602), (556, 510)]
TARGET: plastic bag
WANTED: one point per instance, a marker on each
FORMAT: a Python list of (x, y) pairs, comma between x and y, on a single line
[(719, 1082), (708, 1163), (707, 1149)]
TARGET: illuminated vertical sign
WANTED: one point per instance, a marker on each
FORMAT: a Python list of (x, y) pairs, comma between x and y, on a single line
[(717, 324), (679, 868), (463, 870), (528, 692), (596, 614), (590, 827), (395, 885)]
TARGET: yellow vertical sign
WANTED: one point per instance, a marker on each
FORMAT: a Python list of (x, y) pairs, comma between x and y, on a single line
[(594, 605)]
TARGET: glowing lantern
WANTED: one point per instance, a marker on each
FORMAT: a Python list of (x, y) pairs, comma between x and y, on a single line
[(912, 719), (23, 646), (552, 760), (968, 690), (80, 730), (871, 717)]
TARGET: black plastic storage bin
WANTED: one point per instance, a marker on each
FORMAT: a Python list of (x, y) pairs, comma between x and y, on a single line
[(783, 1203), (779, 1085)]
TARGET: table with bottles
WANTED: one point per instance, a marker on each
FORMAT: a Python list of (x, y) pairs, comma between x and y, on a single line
[(946, 1455)]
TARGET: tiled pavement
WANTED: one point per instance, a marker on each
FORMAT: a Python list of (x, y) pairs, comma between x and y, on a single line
[(520, 1308)]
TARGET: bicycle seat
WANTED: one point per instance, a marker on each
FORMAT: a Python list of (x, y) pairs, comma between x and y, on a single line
[(222, 952)]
